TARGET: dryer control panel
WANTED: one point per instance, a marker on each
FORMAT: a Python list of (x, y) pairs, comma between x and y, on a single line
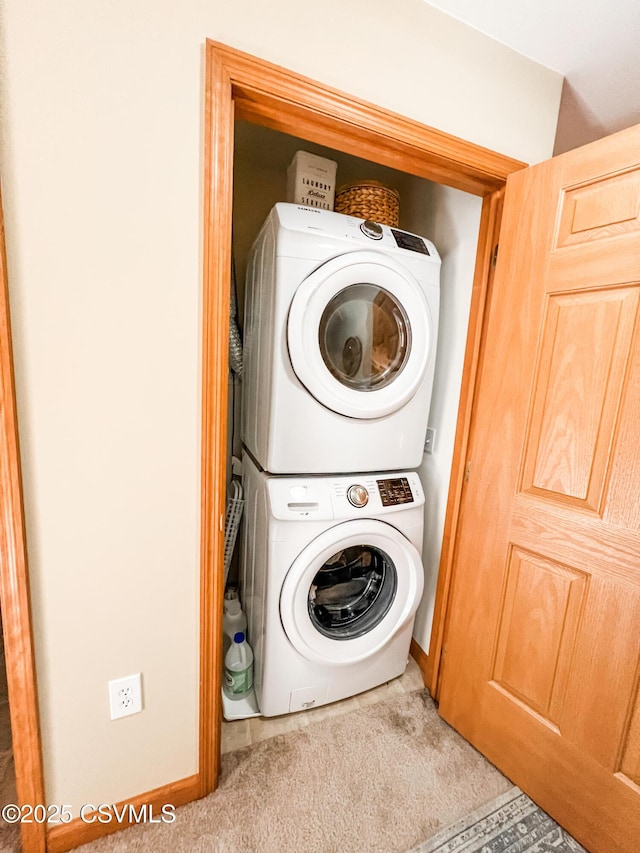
[(341, 232), (405, 240)]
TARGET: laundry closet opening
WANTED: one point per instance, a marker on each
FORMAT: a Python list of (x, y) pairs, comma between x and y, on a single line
[(448, 217)]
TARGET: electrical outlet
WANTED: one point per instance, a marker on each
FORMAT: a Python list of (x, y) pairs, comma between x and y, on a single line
[(430, 440), (125, 696)]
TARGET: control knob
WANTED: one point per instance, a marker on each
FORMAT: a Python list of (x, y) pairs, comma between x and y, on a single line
[(357, 495), (371, 229)]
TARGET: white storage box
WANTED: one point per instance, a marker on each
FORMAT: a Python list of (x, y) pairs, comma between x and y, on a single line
[(311, 180)]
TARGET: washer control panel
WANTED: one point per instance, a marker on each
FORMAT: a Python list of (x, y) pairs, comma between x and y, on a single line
[(315, 497), (395, 491), (357, 495)]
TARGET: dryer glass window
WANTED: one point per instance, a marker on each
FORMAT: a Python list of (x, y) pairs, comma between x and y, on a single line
[(364, 337), (352, 592)]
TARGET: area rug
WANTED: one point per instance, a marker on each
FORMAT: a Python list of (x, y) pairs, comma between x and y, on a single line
[(512, 823), (379, 779)]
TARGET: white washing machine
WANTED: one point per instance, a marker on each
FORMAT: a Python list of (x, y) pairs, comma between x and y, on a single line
[(341, 320), (331, 577)]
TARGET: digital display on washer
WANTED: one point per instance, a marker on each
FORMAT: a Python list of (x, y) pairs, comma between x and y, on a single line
[(393, 492), (410, 241)]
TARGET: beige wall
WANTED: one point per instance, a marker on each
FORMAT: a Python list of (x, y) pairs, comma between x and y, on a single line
[(101, 168)]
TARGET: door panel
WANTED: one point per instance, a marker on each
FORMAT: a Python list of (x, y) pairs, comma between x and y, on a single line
[(534, 645), (600, 208), (584, 356), (542, 652)]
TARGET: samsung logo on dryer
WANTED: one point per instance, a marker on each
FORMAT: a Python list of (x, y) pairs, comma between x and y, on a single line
[(308, 209)]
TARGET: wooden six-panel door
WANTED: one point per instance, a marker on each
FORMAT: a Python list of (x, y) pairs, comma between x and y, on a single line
[(541, 663)]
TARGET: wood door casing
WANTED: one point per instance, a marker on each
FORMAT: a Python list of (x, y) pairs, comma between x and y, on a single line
[(242, 86), (542, 663)]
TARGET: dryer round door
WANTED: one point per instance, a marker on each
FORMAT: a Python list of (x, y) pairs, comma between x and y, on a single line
[(359, 334), (350, 591)]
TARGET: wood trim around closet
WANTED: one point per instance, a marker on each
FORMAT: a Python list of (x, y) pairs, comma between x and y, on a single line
[(272, 96), (218, 200), (14, 588), (242, 86)]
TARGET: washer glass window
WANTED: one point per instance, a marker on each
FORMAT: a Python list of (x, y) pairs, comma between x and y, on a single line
[(352, 592), (364, 337)]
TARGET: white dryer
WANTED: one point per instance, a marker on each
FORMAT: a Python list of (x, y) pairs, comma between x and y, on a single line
[(341, 320), (331, 577)]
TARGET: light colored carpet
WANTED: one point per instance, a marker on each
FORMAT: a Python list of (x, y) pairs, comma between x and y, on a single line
[(380, 779)]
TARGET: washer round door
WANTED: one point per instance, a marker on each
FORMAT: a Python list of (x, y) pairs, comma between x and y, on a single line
[(350, 591), (360, 334)]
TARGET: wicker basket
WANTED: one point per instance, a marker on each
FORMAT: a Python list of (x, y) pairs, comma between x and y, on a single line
[(369, 200)]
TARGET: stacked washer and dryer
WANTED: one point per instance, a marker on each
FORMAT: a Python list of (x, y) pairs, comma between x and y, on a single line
[(341, 319)]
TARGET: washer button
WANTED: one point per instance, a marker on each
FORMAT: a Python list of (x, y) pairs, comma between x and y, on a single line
[(357, 495), (371, 229)]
